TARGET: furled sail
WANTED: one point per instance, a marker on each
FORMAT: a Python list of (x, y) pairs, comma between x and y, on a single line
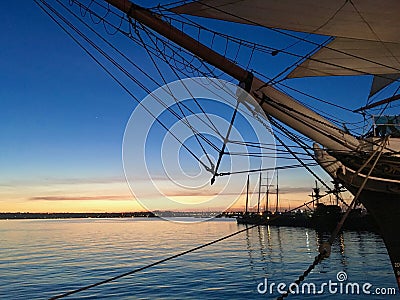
[(366, 57), (367, 36)]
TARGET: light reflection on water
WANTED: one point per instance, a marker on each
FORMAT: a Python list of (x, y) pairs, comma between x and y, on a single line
[(42, 258)]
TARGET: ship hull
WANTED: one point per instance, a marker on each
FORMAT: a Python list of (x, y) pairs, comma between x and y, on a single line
[(379, 195), (280, 219), (387, 220), (384, 205)]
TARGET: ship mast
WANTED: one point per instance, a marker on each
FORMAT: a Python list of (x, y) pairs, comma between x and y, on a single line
[(272, 101)]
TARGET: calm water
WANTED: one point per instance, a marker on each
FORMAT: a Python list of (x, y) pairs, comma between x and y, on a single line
[(42, 258)]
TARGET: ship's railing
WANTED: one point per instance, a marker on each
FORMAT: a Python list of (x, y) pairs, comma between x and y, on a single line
[(386, 125)]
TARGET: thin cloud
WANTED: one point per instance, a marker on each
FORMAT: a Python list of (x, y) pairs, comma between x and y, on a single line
[(98, 180), (201, 193), (290, 190), (101, 197)]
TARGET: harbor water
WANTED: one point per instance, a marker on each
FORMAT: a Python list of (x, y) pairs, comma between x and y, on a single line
[(40, 259)]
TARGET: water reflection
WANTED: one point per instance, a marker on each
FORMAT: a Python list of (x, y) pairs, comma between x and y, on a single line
[(285, 253), (250, 250), (59, 255), (342, 248), (278, 231), (263, 254)]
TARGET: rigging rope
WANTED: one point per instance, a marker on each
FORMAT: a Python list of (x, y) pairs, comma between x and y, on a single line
[(282, 107), (179, 78), (305, 40), (226, 139), (122, 54), (125, 72), (142, 42), (119, 82), (295, 64), (261, 47), (249, 44), (146, 74), (195, 132), (267, 169), (325, 248), (300, 160), (169, 257), (373, 31), (107, 71), (283, 85), (118, 66), (320, 27)]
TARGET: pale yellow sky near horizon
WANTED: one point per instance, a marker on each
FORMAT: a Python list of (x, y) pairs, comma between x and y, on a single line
[(115, 196)]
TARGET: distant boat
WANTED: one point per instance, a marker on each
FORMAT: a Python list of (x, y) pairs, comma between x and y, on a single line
[(291, 219), (324, 217)]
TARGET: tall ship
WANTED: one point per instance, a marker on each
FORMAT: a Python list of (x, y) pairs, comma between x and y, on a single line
[(352, 38)]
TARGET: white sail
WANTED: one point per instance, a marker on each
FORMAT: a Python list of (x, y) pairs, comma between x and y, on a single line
[(359, 19), (367, 36), (346, 56)]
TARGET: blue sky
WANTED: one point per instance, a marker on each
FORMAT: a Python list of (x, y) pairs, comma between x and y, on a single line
[(58, 107), (61, 116), (62, 119)]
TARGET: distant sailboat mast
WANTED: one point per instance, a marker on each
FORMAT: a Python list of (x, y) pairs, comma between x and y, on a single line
[(267, 196), (247, 194), (277, 192), (259, 194)]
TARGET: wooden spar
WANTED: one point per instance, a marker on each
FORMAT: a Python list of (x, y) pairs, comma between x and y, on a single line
[(273, 102), (380, 102), (177, 36)]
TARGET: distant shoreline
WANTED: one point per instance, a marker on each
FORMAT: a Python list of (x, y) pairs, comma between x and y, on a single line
[(91, 215), (21, 216)]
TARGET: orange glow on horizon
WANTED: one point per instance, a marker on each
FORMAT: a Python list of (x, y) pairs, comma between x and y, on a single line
[(115, 196)]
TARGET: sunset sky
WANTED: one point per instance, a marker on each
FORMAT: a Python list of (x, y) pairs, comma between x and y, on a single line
[(62, 124)]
